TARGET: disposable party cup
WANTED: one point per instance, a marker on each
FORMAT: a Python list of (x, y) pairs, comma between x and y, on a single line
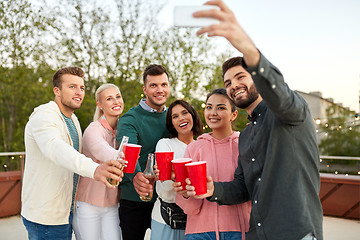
[(163, 161), (131, 155), (180, 170), (197, 175)]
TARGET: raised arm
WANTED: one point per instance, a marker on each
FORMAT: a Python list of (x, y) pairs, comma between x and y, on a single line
[(230, 29), (287, 105)]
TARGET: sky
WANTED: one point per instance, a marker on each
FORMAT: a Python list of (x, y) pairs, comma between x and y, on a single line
[(314, 43)]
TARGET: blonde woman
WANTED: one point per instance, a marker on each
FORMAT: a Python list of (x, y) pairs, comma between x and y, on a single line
[(96, 207)]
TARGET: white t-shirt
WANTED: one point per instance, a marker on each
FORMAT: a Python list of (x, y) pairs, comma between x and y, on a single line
[(164, 189)]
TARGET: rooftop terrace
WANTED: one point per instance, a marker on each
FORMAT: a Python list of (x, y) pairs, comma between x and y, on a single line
[(11, 228)]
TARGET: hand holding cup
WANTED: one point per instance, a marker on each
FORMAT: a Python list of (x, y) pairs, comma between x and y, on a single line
[(191, 190)]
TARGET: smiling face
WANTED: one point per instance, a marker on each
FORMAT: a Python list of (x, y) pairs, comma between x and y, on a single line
[(111, 102), (218, 113), (240, 87), (181, 120), (70, 95), (157, 91)]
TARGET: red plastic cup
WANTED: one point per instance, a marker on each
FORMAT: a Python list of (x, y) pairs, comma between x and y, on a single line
[(163, 161), (131, 155), (197, 175), (180, 170)]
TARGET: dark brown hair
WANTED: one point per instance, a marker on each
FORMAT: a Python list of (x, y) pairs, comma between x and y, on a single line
[(154, 70), (197, 123), (222, 91), (68, 70), (232, 62)]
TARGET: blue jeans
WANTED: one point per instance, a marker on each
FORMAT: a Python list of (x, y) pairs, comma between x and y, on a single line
[(38, 231), (212, 236)]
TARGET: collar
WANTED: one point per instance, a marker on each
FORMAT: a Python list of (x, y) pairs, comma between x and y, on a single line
[(146, 107), (106, 125), (257, 111), (65, 117)]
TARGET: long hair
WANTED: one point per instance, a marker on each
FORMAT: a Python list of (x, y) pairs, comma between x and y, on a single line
[(197, 123), (98, 112)]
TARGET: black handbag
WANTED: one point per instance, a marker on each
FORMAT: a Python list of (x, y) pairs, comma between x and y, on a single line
[(173, 215)]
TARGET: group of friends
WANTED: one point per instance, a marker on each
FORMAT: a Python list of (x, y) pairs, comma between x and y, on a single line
[(262, 183)]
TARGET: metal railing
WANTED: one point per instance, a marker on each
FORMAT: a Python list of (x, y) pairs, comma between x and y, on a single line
[(321, 156), (12, 153), (340, 158), (340, 165), (8, 162), (328, 164)]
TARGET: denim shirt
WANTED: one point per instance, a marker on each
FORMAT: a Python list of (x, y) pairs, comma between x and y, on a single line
[(278, 163)]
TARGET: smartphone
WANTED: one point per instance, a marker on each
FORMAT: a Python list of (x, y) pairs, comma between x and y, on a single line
[(183, 16)]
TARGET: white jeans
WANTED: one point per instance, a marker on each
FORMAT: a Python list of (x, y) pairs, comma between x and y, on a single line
[(93, 223)]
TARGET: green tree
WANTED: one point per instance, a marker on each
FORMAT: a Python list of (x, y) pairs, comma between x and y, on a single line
[(216, 81), (187, 58), (109, 41), (136, 25), (21, 90), (22, 73), (112, 41), (342, 133), (115, 42)]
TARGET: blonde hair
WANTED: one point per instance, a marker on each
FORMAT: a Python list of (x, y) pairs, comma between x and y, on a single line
[(98, 112)]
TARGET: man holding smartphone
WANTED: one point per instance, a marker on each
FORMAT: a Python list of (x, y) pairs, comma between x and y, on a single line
[(278, 154)]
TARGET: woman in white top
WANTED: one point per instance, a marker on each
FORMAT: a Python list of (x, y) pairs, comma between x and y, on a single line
[(183, 123)]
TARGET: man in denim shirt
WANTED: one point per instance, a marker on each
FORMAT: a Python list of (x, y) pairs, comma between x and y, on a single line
[(278, 154)]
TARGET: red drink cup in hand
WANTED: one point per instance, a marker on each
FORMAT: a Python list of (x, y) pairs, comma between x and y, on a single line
[(163, 161), (197, 175), (180, 170), (131, 155)]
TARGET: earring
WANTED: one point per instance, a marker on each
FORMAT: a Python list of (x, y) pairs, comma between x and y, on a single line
[(101, 109)]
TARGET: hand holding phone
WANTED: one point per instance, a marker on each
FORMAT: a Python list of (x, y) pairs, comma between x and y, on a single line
[(183, 16)]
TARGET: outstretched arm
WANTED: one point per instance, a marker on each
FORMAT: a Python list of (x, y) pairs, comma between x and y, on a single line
[(287, 105), (230, 29)]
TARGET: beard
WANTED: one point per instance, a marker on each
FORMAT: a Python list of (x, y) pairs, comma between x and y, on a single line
[(252, 96), (70, 105), (156, 103)]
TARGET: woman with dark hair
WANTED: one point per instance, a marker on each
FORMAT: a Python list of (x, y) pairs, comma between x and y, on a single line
[(183, 123), (219, 148)]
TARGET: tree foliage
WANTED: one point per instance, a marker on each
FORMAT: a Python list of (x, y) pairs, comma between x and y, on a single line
[(22, 28), (22, 70), (113, 41), (342, 133)]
